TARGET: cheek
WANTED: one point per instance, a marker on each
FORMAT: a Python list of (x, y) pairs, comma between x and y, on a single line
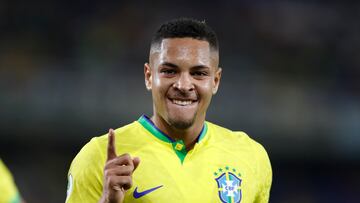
[(159, 87), (156, 80), (205, 90)]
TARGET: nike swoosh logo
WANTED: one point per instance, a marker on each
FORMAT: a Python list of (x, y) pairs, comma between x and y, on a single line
[(137, 194)]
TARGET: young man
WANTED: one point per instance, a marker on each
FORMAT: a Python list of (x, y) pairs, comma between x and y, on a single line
[(183, 157)]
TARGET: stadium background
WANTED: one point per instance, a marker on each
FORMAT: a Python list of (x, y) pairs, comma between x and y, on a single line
[(69, 70)]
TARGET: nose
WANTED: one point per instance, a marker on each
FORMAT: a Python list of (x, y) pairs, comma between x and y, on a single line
[(184, 82)]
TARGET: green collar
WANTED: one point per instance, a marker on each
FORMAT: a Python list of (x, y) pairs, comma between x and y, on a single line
[(179, 145)]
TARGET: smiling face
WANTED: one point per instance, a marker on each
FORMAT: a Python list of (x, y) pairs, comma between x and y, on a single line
[(183, 75)]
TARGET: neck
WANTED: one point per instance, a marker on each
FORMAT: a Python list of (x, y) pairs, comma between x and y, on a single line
[(188, 135)]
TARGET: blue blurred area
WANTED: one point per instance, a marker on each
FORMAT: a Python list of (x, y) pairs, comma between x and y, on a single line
[(291, 80)]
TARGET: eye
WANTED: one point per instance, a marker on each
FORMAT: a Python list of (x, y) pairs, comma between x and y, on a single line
[(168, 71), (199, 73)]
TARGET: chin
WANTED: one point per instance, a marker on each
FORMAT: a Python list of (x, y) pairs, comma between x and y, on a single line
[(181, 123)]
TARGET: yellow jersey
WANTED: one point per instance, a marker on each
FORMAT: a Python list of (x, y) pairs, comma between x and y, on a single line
[(8, 190), (224, 166)]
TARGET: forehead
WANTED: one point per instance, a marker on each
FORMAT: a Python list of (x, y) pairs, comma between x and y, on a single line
[(184, 49), (184, 46)]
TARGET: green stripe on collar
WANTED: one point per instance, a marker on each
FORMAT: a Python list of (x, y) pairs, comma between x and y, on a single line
[(177, 145)]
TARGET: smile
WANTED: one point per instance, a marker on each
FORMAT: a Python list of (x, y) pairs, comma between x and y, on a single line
[(182, 103)]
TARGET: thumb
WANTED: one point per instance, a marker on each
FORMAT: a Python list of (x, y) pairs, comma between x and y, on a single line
[(111, 150)]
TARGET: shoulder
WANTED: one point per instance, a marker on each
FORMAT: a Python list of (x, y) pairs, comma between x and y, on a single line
[(86, 170), (85, 174), (94, 152), (222, 134), (242, 145), (88, 163), (238, 141), (127, 139), (125, 132)]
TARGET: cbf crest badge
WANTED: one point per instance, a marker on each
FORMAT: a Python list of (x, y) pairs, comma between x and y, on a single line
[(229, 185)]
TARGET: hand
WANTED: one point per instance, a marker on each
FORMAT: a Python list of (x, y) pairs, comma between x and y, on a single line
[(117, 173)]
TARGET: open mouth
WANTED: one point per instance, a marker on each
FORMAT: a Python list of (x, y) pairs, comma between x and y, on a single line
[(182, 102)]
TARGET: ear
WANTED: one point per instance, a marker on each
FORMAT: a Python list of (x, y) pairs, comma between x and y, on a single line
[(217, 79), (148, 76)]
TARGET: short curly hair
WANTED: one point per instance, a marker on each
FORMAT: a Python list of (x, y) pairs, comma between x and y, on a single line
[(186, 27)]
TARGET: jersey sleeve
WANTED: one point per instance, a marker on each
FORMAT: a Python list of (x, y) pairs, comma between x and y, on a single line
[(264, 172), (86, 174)]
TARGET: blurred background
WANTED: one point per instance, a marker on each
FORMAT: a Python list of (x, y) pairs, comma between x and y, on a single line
[(70, 70)]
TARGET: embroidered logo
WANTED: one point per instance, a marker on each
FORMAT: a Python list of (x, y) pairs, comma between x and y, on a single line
[(229, 183), (137, 194)]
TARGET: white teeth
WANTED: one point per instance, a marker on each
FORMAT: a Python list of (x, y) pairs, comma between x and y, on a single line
[(182, 103)]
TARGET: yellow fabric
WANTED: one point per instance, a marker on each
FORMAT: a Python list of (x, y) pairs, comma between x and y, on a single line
[(8, 190), (221, 151)]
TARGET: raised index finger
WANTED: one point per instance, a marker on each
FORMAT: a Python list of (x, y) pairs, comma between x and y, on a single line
[(111, 150)]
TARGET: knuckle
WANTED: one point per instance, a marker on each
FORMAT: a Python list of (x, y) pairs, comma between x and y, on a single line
[(126, 180), (125, 171), (108, 165), (126, 156)]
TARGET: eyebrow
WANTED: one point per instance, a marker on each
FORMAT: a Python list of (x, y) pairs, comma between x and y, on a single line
[(176, 66), (199, 67), (169, 64)]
